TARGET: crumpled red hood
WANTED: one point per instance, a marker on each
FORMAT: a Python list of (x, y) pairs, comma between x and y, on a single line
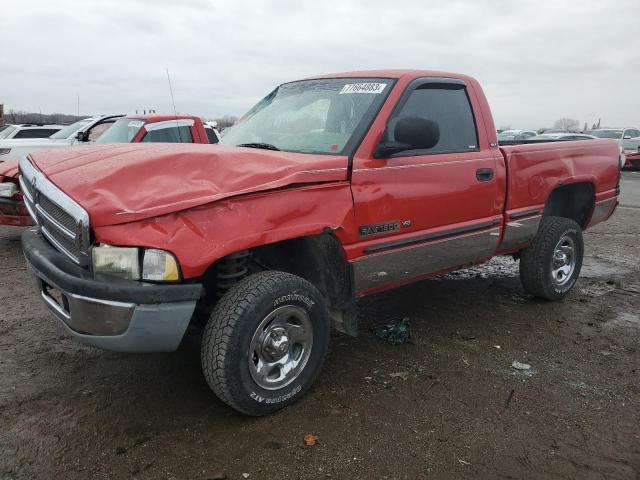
[(123, 183), (9, 168)]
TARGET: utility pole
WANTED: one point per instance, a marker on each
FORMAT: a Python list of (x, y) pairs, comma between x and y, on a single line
[(78, 95), (1, 115)]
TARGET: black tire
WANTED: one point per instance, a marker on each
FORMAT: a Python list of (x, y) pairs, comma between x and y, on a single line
[(537, 261), (227, 340)]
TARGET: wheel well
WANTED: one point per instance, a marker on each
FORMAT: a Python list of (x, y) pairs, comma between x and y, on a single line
[(319, 259), (574, 201)]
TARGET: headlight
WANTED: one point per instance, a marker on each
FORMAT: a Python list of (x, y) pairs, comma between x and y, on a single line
[(159, 266), (125, 262), (8, 189)]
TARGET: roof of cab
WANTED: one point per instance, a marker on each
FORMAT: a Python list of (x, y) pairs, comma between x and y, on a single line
[(391, 74)]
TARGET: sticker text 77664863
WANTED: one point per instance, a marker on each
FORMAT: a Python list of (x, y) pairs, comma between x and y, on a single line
[(368, 87)]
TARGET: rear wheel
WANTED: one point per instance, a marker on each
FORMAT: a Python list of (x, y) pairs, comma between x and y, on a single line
[(549, 268), (265, 342)]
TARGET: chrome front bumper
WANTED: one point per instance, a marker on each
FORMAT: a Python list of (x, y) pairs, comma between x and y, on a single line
[(116, 315)]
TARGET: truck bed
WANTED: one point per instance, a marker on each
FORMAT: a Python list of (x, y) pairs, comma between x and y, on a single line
[(535, 169)]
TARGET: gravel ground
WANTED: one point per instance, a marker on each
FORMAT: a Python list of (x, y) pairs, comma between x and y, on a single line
[(448, 405)]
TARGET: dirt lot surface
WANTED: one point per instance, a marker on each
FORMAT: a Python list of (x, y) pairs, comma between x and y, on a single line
[(449, 405)]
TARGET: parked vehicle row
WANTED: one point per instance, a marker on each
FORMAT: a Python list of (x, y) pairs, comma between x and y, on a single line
[(329, 189), (629, 147), (509, 135), (629, 140), (99, 130), (545, 137)]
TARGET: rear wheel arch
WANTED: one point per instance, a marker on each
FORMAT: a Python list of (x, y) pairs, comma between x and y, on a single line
[(574, 201)]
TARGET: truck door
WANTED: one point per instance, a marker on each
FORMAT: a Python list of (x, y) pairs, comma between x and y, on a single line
[(422, 211)]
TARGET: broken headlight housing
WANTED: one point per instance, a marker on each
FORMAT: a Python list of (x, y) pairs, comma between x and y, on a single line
[(133, 263), (8, 189)]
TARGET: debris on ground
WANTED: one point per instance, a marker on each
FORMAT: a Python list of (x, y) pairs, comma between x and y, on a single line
[(520, 366), (509, 398), (310, 440), (403, 375), (497, 347), (120, 450), (396, 332), (218, 476), (245, 475), (466, 335)]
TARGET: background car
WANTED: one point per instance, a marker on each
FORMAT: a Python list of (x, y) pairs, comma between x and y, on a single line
[(516, 134), (562, 136), (212, 131), (91, 128), (628, 140), (622, 135), (28, 130), (158, 129)]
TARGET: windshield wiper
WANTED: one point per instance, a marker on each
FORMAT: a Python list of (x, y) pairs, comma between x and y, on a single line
[(264, 146)]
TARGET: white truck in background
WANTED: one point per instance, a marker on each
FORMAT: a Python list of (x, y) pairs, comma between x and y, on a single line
[(85, 130)]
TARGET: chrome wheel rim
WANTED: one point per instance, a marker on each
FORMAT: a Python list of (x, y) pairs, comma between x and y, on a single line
[(563, 262), (280, 347)]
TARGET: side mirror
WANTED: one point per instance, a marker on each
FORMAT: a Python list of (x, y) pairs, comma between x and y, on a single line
[(627, 137), (81, 136), (410, 133)]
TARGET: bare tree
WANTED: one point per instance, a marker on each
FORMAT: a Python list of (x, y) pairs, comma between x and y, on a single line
[(567, 125)]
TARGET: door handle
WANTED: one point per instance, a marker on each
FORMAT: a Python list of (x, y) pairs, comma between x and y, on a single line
[(484, 174)]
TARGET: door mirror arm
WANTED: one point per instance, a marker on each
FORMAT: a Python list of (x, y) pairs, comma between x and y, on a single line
[(386, 148)]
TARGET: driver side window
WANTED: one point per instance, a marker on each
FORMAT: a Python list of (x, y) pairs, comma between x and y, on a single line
[(449, 107)]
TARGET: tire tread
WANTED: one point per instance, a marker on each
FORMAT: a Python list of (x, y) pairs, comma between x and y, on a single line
[(533, 259), (225, 318)]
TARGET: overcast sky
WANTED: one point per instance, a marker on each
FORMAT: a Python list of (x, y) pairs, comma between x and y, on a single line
[(537, 60)]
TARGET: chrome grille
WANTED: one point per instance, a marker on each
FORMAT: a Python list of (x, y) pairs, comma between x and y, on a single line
[(62, 221), (57, 213)]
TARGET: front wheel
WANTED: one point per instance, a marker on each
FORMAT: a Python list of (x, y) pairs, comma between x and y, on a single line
[(549, 268), (265, 342)]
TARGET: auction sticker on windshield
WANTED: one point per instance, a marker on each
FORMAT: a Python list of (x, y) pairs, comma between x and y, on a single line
[(363, 88)]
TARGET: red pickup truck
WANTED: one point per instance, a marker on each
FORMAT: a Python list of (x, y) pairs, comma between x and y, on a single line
[(329, 189), (121, 129)]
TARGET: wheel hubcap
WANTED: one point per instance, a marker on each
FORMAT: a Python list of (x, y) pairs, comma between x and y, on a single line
[(280, 347), (564, 261)]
